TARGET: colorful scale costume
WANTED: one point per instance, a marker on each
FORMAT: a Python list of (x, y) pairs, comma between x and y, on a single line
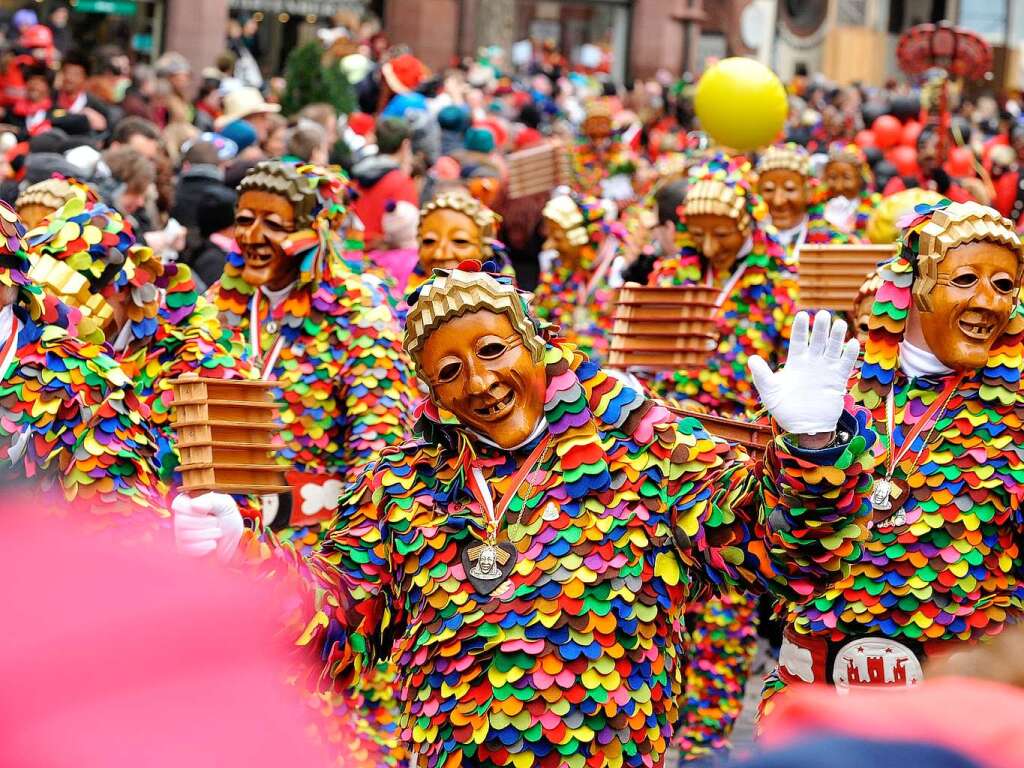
[(574, 296), (951, 569), (755, 317), (576, 660), (345, 390), (69, 420), (169, 329)]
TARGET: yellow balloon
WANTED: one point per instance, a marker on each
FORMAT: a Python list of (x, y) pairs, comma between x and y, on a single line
[(741, 103)]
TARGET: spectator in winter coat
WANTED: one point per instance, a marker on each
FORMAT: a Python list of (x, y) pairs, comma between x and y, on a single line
[(384, 177)]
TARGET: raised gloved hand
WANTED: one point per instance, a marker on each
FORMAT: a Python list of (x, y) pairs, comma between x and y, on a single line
[(208, 523), (806, 395)]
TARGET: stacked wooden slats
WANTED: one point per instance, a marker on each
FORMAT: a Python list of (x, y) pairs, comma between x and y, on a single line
[(673, 328), (830, 276), (656, 328), (537, 170), (225, 434)]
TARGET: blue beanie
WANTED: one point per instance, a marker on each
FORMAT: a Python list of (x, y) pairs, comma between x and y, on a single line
[(479, 140), (453, 118), (240, 132)]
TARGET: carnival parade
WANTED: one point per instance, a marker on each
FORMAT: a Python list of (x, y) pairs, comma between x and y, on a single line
[(365, 407)]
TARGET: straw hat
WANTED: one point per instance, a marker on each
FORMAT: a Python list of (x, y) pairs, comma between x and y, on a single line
[(241, 103)]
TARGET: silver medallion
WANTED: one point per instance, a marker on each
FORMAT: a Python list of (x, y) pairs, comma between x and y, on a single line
[(881, 495)]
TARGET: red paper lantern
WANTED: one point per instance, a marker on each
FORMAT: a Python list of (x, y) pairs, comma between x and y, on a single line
[(904, 158), (888, 131), (865, 139)]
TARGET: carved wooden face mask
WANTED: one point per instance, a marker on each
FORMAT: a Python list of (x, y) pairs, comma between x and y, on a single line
[(33, 214), (718, 238), (569, 253), (263, 221), (971, 303), (843, 180), (447, 238), (786, 194), (479, 369)]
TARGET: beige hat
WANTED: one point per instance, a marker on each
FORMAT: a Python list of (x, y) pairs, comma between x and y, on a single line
[(242, 102)]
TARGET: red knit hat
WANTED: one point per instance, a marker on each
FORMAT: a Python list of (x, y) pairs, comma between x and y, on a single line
[(404, 73), (360, 123)]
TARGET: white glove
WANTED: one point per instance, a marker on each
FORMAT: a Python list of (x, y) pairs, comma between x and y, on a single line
[(806, 395), (205, 524)]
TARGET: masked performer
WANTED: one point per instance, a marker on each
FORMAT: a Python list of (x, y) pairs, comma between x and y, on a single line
[(941, 376), (330, 341), (40, 200), (725, 244), (70, 423), (573, 292), (157, 326), (327, 336), (785, 182), (602, 165), (527, 559), (849, 190)]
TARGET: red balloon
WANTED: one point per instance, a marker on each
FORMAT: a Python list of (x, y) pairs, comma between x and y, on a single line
[(904, 158), (910, 133), (960, 162), (865, 139), (888, 131)]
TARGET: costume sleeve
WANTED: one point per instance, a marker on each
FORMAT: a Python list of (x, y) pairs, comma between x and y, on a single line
[(790, 521), (347, 610), (378, 388), (85, 419)]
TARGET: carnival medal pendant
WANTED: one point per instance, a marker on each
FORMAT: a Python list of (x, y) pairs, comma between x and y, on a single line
[(487, 565), (881, 495)]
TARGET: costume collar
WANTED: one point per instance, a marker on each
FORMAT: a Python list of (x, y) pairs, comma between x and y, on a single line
[(276, 297), (540, 429), (916, 361), (788, 237)]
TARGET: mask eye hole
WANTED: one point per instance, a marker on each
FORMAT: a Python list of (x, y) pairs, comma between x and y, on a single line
[(449, 371), (965, 280), (429, 240), (244, 220), (491, 350), (1003, 284)]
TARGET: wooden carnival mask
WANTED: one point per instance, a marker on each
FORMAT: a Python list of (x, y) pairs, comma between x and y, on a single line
[(263, 221), (566, 229), (787, 196), (970, 304), (447, 238), (783, 173), (454, 228), (479, 368), (716, 221), (843, 179), (718, 239)]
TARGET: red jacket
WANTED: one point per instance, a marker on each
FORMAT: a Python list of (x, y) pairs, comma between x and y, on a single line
[(379, 181)]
